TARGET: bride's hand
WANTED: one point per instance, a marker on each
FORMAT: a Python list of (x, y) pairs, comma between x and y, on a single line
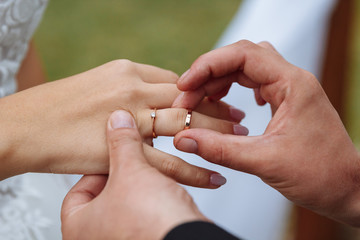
[(44, 127)]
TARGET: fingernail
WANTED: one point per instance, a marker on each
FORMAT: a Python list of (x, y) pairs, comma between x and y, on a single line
[(240, 130), (183, 76), (236, 114), (217, 179), (187, 145), (121, 119), (178, 99)]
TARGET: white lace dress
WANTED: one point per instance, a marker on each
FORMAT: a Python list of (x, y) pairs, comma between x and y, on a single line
[(30, 203)]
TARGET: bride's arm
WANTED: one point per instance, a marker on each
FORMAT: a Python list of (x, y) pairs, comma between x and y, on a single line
[(43, 127), (30, 74)]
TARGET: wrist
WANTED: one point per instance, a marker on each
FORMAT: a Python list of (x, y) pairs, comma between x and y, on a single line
[(9, 167), (18, 154)]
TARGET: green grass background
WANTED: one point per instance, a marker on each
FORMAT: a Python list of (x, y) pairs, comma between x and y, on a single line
[(75, 36), (353, 96)]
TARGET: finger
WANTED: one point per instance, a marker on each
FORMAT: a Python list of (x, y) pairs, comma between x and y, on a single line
[(260, 65), (161, 95), (237, 152), (221, 110), (182, 171), (259, 100), (152, 74), (125, 145), (216, 109), (269, 46), (220, 94), (195, 97), (149, 141), (170, 121), (82, 193), (191, 99)]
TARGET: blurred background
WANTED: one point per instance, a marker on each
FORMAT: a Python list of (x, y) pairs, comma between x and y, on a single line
[(75, 36), (353, 89)]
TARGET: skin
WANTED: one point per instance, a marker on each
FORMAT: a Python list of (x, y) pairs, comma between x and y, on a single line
[(43, 126), (135, 201), (305, 152)]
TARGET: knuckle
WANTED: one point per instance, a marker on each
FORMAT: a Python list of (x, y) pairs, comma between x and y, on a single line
[(314, 88), (245, 44), (220, 154), (266, 44), (133, 93), (136, 92), (200, 178), (246, 47), (199, 60), (302, 78), (310, 78), (217, 153), (171, 169), (202, 65), (180, 118), (123, 65)]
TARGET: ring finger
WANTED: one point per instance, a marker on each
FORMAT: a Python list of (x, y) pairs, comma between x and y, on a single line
[(170, 121)]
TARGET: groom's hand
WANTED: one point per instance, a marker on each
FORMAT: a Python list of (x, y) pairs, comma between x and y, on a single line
[(134, 202), (305, 152)]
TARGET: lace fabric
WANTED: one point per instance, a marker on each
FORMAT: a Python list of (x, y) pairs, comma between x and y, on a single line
[(18, 21), (19, 219), (30, 206)]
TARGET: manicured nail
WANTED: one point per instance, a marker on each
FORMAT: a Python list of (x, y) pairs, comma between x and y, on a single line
[(184, 75), (236, 114), (121, 119), (240, 130), (217, 179), (187, 145), (178, 99)]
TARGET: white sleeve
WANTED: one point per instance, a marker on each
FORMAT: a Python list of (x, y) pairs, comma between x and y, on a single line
[(297, 28)]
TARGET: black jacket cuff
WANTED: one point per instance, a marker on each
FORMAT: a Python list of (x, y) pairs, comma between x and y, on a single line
[(197, 231)]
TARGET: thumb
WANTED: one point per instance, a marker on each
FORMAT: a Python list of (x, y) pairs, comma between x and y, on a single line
[(125, 151), (124, 144), (241, 153)]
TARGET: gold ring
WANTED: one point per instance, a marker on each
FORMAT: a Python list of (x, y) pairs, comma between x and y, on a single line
[(153, 116), (188, 120)]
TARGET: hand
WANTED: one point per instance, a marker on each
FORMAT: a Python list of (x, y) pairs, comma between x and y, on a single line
[(135, 202), (59, 126), (305, 152)]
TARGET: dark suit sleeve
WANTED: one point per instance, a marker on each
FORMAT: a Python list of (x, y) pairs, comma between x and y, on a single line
[(199, 231)]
